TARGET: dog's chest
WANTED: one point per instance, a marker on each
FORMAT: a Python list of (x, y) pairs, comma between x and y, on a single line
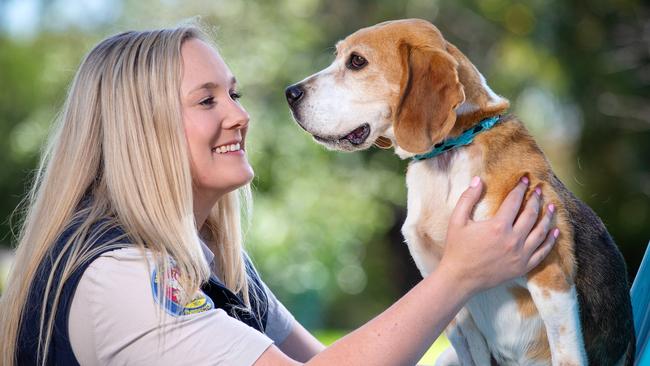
[(510, 335), (434, 187)]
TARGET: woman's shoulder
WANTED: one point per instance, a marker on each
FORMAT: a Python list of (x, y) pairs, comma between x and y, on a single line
[(126, 255), (116, 297), (98, 232), (115, 271)]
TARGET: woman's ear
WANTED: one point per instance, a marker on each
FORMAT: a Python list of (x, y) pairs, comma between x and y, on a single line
[(430, 93)]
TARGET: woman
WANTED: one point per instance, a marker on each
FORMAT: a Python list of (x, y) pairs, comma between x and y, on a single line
[(130, 252)]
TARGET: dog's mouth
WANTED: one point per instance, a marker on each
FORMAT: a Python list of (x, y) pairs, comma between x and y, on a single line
[(356, 137)]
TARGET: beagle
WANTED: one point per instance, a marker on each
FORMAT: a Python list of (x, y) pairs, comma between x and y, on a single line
[(401, 84)]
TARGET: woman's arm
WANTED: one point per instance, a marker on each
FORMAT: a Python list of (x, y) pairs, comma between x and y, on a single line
[(301, 345), (478, 255)]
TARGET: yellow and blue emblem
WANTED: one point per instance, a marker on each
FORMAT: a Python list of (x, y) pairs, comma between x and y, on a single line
[(173, 292)]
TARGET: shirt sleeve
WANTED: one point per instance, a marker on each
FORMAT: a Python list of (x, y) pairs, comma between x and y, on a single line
[(115, 320), (279, 321)]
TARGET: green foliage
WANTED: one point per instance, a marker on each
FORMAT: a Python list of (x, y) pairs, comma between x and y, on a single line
[(33, 74)]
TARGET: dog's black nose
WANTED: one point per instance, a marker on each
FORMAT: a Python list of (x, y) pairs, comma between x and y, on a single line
[(293, 93)]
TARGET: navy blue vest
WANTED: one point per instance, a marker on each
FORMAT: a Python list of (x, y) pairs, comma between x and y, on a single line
[(60, 350)]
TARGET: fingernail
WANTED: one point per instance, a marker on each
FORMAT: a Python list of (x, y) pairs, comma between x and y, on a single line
[(475, 181), (551, 208), (525, 180), (538, 191), (556, 233)]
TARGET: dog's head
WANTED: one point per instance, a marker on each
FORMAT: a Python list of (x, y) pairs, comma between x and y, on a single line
[(395, 82)]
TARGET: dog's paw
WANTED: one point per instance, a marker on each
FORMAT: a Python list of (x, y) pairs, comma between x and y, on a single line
[(448, 358)]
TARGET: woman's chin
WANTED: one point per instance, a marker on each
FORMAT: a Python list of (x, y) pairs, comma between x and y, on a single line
[(233, 182), (247, 176), (214, 187)]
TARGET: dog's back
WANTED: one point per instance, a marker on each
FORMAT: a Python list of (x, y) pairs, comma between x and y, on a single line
[(601, 281)]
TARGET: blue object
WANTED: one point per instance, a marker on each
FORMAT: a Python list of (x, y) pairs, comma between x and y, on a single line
[(465, 138), (641, 309)]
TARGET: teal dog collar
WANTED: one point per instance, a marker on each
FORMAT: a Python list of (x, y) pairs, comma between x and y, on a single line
[(465, 138)]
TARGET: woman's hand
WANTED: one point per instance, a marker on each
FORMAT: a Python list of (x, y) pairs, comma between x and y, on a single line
[(483, 254), (478, 255)]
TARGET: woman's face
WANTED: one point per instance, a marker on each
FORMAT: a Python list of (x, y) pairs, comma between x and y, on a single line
[(215, 123)]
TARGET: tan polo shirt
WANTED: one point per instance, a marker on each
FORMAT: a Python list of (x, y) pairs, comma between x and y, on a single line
[(115, 320)]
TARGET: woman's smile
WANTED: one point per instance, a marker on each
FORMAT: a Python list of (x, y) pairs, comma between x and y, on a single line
[(231, 148)]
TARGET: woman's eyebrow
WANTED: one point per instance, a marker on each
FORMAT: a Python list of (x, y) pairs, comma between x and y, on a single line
[(212, 85)]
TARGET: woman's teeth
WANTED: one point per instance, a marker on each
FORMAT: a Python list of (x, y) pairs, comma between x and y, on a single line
[(226, 148)]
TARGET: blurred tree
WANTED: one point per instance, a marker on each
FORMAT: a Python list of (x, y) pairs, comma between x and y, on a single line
[(606, 52), (325, 233), (33, 88)]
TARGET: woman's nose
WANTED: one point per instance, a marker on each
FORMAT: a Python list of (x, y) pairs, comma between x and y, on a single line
[(239, 118)]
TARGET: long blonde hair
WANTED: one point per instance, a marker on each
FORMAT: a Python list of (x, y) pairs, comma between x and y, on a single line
[(119, 138)]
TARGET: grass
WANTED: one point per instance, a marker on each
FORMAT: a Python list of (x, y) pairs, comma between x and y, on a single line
[(330, 336)]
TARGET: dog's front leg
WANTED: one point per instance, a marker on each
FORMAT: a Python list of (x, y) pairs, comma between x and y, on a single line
[(559, 310), (467, 341), (458, 354)]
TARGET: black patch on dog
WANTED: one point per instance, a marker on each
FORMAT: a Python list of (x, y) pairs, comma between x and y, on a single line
[(602, 285)]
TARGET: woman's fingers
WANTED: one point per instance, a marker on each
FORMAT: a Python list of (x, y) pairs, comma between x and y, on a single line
[(528, 217), (511, 205), (466, 202), (535, 237), (543, 250)]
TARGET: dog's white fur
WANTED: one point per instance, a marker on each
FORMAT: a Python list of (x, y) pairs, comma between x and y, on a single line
[(559, 309), (353, 105)]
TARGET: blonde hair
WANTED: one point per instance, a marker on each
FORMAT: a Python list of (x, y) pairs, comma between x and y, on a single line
[(120, 140)]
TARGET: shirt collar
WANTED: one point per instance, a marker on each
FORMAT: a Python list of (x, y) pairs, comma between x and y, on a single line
[(209, 256)]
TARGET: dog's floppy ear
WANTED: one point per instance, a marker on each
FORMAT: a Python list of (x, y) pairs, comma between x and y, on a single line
[(430, 94)]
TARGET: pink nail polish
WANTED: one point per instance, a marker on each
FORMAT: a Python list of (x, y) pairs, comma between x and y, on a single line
[(475, 181), (551, 208), (525, 180), (538, 191), (556, 233)]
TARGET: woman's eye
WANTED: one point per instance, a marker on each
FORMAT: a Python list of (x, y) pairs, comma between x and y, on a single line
[(207, 102), (235, 95), (356, 62)]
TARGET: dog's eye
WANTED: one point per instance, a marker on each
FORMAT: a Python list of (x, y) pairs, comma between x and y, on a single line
[(356, 62)]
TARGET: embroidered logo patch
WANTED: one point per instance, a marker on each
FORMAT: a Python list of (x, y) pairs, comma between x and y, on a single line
[(173, 294)]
